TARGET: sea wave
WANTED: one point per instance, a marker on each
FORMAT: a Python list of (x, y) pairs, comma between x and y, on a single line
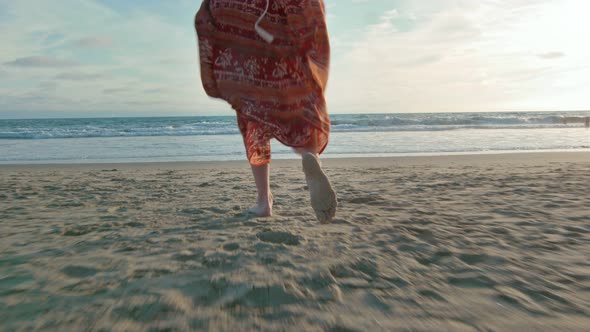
[(225, 125)]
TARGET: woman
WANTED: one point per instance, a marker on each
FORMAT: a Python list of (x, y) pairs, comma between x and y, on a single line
[(269, 60)]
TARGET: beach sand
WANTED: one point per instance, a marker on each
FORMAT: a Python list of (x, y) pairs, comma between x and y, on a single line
[(455, 243)]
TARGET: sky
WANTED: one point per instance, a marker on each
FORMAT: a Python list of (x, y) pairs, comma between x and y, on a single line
[(79, 58)]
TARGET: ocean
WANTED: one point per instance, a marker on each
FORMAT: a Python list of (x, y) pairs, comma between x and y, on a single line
[(216, 138)]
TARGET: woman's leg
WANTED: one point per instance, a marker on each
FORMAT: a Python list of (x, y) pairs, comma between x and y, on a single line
[(263, 206), (302, 151), (311, 147), (323, 197), (257, 143)]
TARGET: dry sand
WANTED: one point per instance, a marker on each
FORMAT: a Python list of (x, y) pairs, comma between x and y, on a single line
[(458, 243)]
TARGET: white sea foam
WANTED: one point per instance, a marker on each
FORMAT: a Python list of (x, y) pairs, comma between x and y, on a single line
[(342, 144), (200, 126)]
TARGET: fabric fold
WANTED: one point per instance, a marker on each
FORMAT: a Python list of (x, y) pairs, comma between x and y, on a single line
[(279, 86)]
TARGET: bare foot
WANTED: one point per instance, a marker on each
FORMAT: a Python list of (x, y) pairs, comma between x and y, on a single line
[(263, 208), (323, 197)]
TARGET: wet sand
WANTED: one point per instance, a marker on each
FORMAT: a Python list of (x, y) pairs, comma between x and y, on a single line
[(456, 243)]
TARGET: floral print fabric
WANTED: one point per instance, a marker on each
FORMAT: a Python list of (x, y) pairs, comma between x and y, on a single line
[(277, 89)]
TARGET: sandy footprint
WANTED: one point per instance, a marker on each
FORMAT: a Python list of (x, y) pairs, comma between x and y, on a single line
[(279, 237)]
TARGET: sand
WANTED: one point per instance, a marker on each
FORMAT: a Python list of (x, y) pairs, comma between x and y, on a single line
[(456, 243)]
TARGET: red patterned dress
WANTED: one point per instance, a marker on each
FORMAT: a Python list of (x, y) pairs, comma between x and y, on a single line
[(277, 88)]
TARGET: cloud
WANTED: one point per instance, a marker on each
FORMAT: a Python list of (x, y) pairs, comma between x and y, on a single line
[(40, 62), (131, 43), (422, 60), (50, 39), (78, 76), (48, 86), (178, 61), (156, 90), (388, 56), (465, 56), (551, 55), (94, 42), (406, 71), (116, 90), (43, 100)]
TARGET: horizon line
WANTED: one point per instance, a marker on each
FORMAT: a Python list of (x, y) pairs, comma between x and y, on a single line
[(230, 115)]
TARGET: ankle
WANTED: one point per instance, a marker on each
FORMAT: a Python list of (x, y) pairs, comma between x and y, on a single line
[(265, 199), (315, 154)]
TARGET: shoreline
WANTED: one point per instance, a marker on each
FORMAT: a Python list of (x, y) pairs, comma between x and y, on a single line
[(441, 160)]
